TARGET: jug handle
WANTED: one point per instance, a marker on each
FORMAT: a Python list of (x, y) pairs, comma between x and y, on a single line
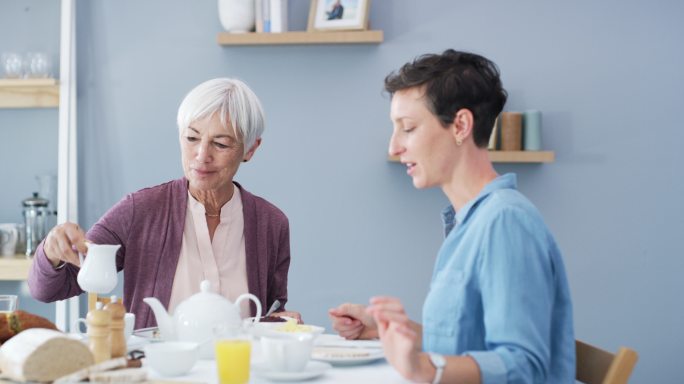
[(80, 255), (255, 300)]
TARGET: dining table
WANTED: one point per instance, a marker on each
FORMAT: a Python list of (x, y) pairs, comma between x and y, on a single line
[(375, 371)]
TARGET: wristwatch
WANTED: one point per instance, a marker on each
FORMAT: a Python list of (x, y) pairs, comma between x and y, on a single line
[(439, 362)]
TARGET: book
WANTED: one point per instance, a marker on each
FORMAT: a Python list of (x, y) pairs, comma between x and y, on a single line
[(278, 13)]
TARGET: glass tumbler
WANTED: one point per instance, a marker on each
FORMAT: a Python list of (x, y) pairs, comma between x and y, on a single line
[(37, 65), (12, 65), (8, 303)]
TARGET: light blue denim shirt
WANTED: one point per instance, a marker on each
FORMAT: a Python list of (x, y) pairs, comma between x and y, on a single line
[(499, 292)]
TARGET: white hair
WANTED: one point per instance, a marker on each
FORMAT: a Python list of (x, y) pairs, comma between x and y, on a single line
[(230, 98)]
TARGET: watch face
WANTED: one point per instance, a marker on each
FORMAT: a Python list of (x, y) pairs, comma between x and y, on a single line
[(437, 360)]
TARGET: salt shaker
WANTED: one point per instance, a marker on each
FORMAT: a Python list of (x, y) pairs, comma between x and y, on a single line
[(118, 311), (99, 322)]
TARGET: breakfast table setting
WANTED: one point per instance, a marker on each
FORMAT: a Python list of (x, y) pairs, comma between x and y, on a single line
[(204, 340), (334, 360)]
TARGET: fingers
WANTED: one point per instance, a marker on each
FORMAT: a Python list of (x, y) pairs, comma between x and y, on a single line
[(62, 242), (352, 332), (355, 311), (386, 306), (405, 330), (347, 320), (387, 311)]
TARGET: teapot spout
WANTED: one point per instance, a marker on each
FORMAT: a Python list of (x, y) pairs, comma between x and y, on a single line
[(164, 321)]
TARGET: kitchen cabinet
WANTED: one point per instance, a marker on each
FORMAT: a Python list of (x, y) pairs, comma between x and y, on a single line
[(301, 38)]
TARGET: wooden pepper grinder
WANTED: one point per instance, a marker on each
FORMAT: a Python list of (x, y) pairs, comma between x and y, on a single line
[(118, 311), (99, 323)]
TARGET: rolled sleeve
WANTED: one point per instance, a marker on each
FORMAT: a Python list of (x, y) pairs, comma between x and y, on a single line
[(492, 367)]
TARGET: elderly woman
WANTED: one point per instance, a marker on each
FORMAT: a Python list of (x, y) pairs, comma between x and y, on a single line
[(498, 309), (202, 226)]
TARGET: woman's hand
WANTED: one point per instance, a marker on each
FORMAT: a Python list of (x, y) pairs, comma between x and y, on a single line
[(352, 322), (400, 341), (63, 243)]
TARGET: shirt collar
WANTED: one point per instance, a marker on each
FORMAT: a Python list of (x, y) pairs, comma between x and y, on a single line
[(450, 218), (227, 209)]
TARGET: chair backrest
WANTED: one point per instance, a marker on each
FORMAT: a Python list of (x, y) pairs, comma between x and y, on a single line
[(94, 298), (596, 366)]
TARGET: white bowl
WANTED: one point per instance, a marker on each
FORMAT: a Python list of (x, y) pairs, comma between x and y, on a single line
[(171, 358)]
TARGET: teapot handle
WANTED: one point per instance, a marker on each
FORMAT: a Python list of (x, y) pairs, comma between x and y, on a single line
[(256, 301)]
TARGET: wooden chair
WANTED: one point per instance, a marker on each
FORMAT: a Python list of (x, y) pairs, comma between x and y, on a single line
[(596, 366), (94, 298)]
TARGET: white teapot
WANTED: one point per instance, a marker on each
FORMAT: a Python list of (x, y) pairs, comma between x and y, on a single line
[(198, 317)]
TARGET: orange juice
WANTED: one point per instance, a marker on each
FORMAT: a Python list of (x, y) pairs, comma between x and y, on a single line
[(232, 360)]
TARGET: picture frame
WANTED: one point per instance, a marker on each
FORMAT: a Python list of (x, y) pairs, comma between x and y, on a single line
[(338, 15)]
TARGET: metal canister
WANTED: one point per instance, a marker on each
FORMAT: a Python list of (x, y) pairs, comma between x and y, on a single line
[(35, 218)]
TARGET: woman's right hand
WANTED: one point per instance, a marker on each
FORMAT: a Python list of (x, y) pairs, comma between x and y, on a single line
[(352, 322), (63, 243)]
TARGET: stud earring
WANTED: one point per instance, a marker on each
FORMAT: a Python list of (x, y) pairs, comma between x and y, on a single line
[(459, 141)]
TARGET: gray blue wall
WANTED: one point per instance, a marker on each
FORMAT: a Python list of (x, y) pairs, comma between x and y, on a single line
[(607, 76)]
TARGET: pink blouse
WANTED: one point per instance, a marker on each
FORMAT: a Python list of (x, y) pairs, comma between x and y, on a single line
[(222, 262)]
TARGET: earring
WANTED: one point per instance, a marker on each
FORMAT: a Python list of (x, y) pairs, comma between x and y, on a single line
[(459, 141), (244, 160)]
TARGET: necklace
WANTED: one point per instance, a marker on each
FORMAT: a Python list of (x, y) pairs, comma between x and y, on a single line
[(209, 215)]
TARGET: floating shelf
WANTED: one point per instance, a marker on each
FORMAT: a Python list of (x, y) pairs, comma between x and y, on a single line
[(29, 93), (301, 37), (14, 267), (515, 157)]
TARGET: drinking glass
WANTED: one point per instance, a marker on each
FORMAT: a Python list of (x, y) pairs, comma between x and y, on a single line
[(232, 358), (37, 65), (8, 303), (11, 65)]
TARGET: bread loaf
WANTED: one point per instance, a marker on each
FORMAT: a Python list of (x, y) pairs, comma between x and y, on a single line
[(12, 323), (42, 355), (80, 375)]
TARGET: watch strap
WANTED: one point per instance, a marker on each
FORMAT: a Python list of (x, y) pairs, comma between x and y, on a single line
[(439, 362)]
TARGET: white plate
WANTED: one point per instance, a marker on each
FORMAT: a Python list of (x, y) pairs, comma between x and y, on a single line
[(262, 329), (313, 369), (347, 355)]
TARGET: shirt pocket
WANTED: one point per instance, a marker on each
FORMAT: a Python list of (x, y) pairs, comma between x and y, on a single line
[(445, 303)]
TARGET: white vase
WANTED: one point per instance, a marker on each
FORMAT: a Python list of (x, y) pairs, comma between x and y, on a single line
[(237, 16)]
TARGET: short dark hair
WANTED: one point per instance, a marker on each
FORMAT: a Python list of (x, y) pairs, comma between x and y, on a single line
[(455, 80)]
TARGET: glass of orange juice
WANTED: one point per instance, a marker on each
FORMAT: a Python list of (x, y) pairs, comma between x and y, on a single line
[(232, 359)]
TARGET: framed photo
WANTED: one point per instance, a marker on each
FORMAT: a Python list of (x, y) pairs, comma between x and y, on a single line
[(338, 15)]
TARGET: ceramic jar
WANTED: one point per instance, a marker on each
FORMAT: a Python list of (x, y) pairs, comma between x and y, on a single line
[(237, 16)]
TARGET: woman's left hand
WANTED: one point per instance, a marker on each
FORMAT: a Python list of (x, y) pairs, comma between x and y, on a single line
[(295, 315), (399, 340)]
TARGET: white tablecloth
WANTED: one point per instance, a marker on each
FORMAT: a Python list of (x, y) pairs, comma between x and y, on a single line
[(378, 372), (375, 372)]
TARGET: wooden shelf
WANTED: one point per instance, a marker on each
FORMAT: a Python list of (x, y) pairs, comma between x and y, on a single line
[(29, 93), (14, 268), (515, 157), (301, 37)]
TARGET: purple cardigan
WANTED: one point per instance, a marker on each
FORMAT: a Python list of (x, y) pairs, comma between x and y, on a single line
[(149, 226)]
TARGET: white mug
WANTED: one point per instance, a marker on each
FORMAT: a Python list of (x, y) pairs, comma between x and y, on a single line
[(129, 324), (287, 352), (8, 239)]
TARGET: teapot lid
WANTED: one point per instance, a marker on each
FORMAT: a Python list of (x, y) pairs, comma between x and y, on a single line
[(35, 201), (204, 300)]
